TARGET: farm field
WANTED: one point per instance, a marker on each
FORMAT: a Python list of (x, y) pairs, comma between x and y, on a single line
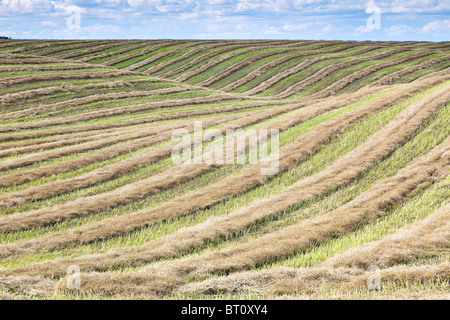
[(92, 205)]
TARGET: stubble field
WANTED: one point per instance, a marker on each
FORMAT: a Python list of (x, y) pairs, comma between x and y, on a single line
[(88, 184)]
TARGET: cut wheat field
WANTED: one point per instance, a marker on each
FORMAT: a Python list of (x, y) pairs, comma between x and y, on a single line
[(93, 205)]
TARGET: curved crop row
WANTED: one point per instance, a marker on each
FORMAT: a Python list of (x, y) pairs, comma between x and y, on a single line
[(300, 66), (283, 242), (245, 179)]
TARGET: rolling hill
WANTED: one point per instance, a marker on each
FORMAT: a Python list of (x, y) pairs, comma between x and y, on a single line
[(89, 189)]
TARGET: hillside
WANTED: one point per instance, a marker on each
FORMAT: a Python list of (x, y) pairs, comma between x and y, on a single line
[(88, 182)]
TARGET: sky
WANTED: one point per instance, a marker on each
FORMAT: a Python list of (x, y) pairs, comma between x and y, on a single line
[(413, 20)]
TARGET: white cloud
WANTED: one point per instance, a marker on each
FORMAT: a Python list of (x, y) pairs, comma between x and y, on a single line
[(417, 6), (437, 26), (329, 28), (48, 23), (26, 5), (272, 30), (296, 27), (6, 33), (397, 30), (269, 5), (363, 29), (164, 6)]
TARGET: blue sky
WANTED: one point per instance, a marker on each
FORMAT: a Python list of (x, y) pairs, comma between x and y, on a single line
[(423, 20)]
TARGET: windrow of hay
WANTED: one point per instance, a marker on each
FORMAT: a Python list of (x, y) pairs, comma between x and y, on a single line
[(181, 57), (300, 66), (221, 58), (142, 138), (48, 68), (388, 79), (261, 69), (405, 274), (28, 94), (52, 44), (9, 81), (308, 281), (112, 111), (200, 59), (114, 52), (53, 137), (363, 207), (113, 170), (90, 99), (251, 176), (31, 93), (61, 141), (108, 172), (408, 242), (157, 56), (284, 241), (320, 74), (83, 44), (245, 62), (31, 286), (156, 134), (26, 58), (342, 83), (77, 53), (136, 121), (129, 56)]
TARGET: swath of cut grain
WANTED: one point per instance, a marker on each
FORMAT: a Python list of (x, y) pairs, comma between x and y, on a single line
[(200, 198), (320, 74), (221, 58), (366, 206), (69, 47), (395, 75), (142, 52), (201, 58), (114, 52), (342, 83), (316, 227), (157, 56), (408, 242), (156, 134), (75, 54), (298, 67), (186, 55), (260, 70), (217, 76), (9, 81), (48, 68), (135, 121), (109, 112), (109, 171)]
